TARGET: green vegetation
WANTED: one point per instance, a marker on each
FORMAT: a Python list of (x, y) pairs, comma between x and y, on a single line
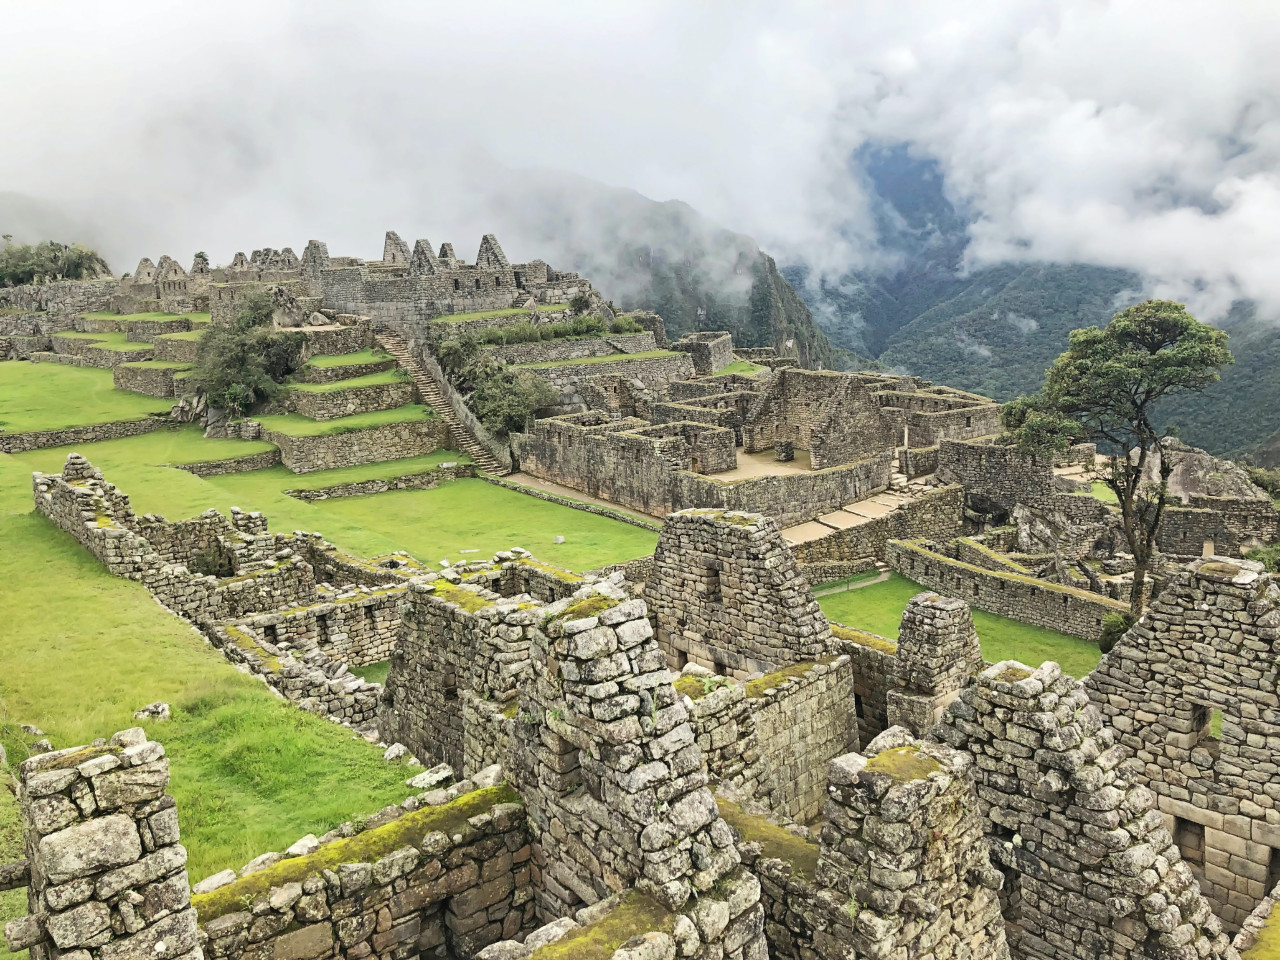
[(612, 358), (864, 639), (373, 672), (696, 686), (1106, 388), (635, 915), (13, 903), (587, 607), (490, 314), (242, 363), (251, 772), (364, 847), (1104, 493), (50, 396), (533, 332), (157, 365), (771, 681), (184, 335), (878, 608), (113, 340), (1267, 944), (776, 842), (503, 398), (1269, 557), (295, 425), (155, 317), (349, 359), (43, 262), (744, 367), (1114, 626), (369, 380), (903, 764)]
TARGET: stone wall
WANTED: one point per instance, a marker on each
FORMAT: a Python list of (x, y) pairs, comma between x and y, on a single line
[(726, 594), (61, 296), (653, 372), (245, 464), (937, 653), (92, 433), (918, 462), (1090, 868), (393, 441), (431, 880), (995, 475), (356, 629), (329, 405), (1204, 650), (874, 675), (1231, 526), (935, 515), (107, 875), (710, 352), (313, 374), (427, 480), (153, 381), (1039, 602), (175, 349), (573, 348)]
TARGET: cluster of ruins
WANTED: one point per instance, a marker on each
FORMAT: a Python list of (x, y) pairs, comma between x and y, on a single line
[(681, 756)]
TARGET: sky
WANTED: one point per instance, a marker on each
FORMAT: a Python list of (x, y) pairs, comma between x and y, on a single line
[(1143, 135)]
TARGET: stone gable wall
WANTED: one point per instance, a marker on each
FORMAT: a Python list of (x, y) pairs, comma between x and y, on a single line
[(710, 352), (1065, 609), (1231, 525)]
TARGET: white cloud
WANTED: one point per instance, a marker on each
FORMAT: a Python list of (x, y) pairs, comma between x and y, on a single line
[(1120, 133)]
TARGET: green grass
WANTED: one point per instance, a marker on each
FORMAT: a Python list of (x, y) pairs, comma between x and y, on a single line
[(13, 903), (162, 317), (107, 341), (158, 364), (369, 380), (50, 396), (295, 425), (349, 359), (744, 367), (864, 577), (878, 609), (373, 672), (366, 471), (1104, 493), (612, 358), (84, 649), (185, 335), (490, 314)]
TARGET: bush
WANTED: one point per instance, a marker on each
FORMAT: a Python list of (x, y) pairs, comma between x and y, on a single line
[(506, 401), (580, 303), (243, 363), (534, 332), (1269, 557), (1114, 626), (625, 325), (41, 262), (1267, 479)]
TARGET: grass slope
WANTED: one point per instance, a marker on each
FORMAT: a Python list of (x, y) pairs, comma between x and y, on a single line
[(744, 367), (878, 608), (107, 341), (369, 380), (161, 317), (50, 396), (490, 314), (348, 359), (296, 425)]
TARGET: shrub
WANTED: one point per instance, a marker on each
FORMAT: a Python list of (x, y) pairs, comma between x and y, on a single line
[(1114, 626), (625, 325), (580, 303), (41, 262), (506, 401), (1267, 479), (243, 363), (1269, 557)]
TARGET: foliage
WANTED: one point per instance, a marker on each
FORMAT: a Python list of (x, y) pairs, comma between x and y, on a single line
[(1107, 386), (1269, 557), (42, 262), (580, 326), (580, 303), (625, 325), (1114, 626), (506, 401), (243, 363), (1267, 478)]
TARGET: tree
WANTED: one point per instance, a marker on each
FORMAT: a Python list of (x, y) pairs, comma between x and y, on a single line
[(242, 363), (42, 262), (1106, 388), (507, 400)]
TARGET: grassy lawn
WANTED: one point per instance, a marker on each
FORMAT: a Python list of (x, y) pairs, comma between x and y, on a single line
[(83, 650), (612, 358), (115, 340), (185, 335), (374, 672), (13, 903), (369, 380), (50, 396), (348, 359), (490, 314), (744, 367), (295, 425), (1104, 493), (158, 364), (878, 609)]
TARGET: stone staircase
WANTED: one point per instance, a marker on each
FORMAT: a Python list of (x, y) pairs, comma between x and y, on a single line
[(431, 394)]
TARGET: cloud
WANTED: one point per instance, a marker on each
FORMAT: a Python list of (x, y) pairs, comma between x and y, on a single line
[(1081, 130)]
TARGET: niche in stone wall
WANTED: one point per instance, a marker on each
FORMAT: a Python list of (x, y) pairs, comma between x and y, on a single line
[(1189, 836), (712, 590)]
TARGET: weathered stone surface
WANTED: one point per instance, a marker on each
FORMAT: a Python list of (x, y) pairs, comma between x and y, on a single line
[(86, 848)]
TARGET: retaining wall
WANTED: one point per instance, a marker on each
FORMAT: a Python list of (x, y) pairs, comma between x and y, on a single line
[(330, 405), (393, 441), (38, 439)]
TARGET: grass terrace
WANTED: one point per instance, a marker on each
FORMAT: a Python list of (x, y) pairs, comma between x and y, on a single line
[(158, 365), (184, 335), (349, 359), (294, 425), (491, 314), (744, 367), (50, 396), (612, 358), (108, 341), (877, 608), (371, 380), (155, 317)]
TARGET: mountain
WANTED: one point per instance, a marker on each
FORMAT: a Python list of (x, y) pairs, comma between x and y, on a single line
[(996, 329)]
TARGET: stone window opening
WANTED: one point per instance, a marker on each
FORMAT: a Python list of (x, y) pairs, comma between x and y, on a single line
[(1206, 727), (711, 584), (449, 683), (1189, 836), (322, 628), (457, 285), (477, 283), (369, 617), (271, 633)]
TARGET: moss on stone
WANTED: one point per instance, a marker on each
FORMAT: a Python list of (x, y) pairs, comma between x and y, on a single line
[(864, 639), (903, 764), (1267, 944), (775, 842), (756, 688), (1216, 568), (510, 709), (365, 847), (1012, 675), (566, 575), (635, 915), (77, 757), (468, 600), (696, 686), (589, 607)]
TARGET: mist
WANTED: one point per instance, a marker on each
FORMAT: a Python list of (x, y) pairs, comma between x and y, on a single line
[(1122, 134)]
